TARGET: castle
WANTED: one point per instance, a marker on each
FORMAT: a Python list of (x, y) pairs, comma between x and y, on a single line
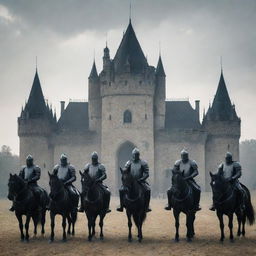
[(127, 107)]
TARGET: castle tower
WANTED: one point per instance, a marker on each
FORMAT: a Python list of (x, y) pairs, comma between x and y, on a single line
[(160, 95), (127, 91), (223, 127), (35, 127), (94, 100)]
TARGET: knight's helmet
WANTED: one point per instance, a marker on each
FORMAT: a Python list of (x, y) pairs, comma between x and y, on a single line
[(184, 152), (94, 155)]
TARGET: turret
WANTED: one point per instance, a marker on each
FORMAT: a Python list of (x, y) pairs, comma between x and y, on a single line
[(94, 100), (160, 95), (223, 127), (36, 125)]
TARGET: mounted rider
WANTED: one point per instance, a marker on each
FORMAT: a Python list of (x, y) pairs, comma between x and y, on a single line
[(140, 171), (67, 174), (31, 173), (97, 171), (232, 171), (190, 170)]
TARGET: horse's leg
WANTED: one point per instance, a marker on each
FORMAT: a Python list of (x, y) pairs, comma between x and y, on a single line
[(129, 225), (102, 215), (243, 224), (64, 236), (43, 221), (176, 215), (73, 220), (28, 217), (89, 218), (52, 215), (140, 228), (189, 219), (93, 225), (69, 218), (230, 225), (193, 220), (35, 220), (220, 216), (19, 217), (239, 224)]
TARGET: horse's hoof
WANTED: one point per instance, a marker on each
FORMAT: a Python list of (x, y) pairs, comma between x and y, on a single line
[(139, 240), (129, 239), (89, 239), (64, 240), (22, 240), (101, 237), (238, 234), (73, 233), (243, 233), (221, 240), (176, 240), (189, 240)]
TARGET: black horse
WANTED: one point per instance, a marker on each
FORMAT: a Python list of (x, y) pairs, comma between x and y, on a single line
[(227, 201), (183, 200), (26, 203), (134, 203), (93, 202), (61, 203)]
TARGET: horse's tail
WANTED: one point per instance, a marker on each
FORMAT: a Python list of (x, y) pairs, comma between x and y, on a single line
[(249, 211), (139, 219)]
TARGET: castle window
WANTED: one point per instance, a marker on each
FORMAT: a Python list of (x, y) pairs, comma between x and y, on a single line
[(109, 83), (125, 82), (140, 82), (109, 117), (127, 116), (146, 117)]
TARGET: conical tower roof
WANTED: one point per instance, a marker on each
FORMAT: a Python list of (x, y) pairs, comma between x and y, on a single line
[(160, 68), (36, 103), (129, 49), (94, 73)]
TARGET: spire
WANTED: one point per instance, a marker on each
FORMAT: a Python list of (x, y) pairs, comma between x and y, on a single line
[(160, 67), (94, 73), (36, 103), (221, 108), (130, 48)]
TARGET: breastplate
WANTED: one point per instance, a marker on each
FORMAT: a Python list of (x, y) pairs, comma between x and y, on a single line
[(227, 170), (136, 169), (186, 168), (63, 173), (93, 171), (28, 172)]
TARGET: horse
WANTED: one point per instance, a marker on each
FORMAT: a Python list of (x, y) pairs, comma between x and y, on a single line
[(93, 202), (26, 203), (183, 200), (61, 203), (134, 203), (227, 201)]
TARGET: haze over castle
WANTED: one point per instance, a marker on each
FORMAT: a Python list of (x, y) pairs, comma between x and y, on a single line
[(127, 107)]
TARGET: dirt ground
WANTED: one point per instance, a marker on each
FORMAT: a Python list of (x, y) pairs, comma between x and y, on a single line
[(158, 233)]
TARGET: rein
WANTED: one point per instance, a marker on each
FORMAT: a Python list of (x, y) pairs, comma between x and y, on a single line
[(227, 199), (184, 198)]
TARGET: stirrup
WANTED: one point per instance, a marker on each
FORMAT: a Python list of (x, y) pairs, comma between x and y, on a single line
[(120, 209), (168, 208), (12, 209), (80, 209), (108, 210), (212, 208), (149, 209)]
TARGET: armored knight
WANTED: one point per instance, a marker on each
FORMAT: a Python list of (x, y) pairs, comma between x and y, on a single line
[(232, 171), (140, 171), (97, 171), (30, 173), (66, 172), (190, 169)]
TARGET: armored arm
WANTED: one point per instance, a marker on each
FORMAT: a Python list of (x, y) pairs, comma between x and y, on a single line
[(72, 175), (37, 174), (103, 173), (176, 166), (145, 168), (194, 170), (127, 166), (237, 172)]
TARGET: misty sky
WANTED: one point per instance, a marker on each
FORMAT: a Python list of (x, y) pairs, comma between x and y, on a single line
[(64, 34)]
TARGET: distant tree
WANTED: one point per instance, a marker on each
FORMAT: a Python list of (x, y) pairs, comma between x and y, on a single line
[(8, 163), (247, 159)]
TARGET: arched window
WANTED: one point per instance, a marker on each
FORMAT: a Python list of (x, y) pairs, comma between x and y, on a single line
[(127, 116)]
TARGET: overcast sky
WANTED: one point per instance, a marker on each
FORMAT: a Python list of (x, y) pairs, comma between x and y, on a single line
[(64, 34)]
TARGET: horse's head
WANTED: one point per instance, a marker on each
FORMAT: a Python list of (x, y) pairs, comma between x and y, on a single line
[(178, 179), (218, 182), (15, 185), (86, 181), (55, 184), (127, 178)]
